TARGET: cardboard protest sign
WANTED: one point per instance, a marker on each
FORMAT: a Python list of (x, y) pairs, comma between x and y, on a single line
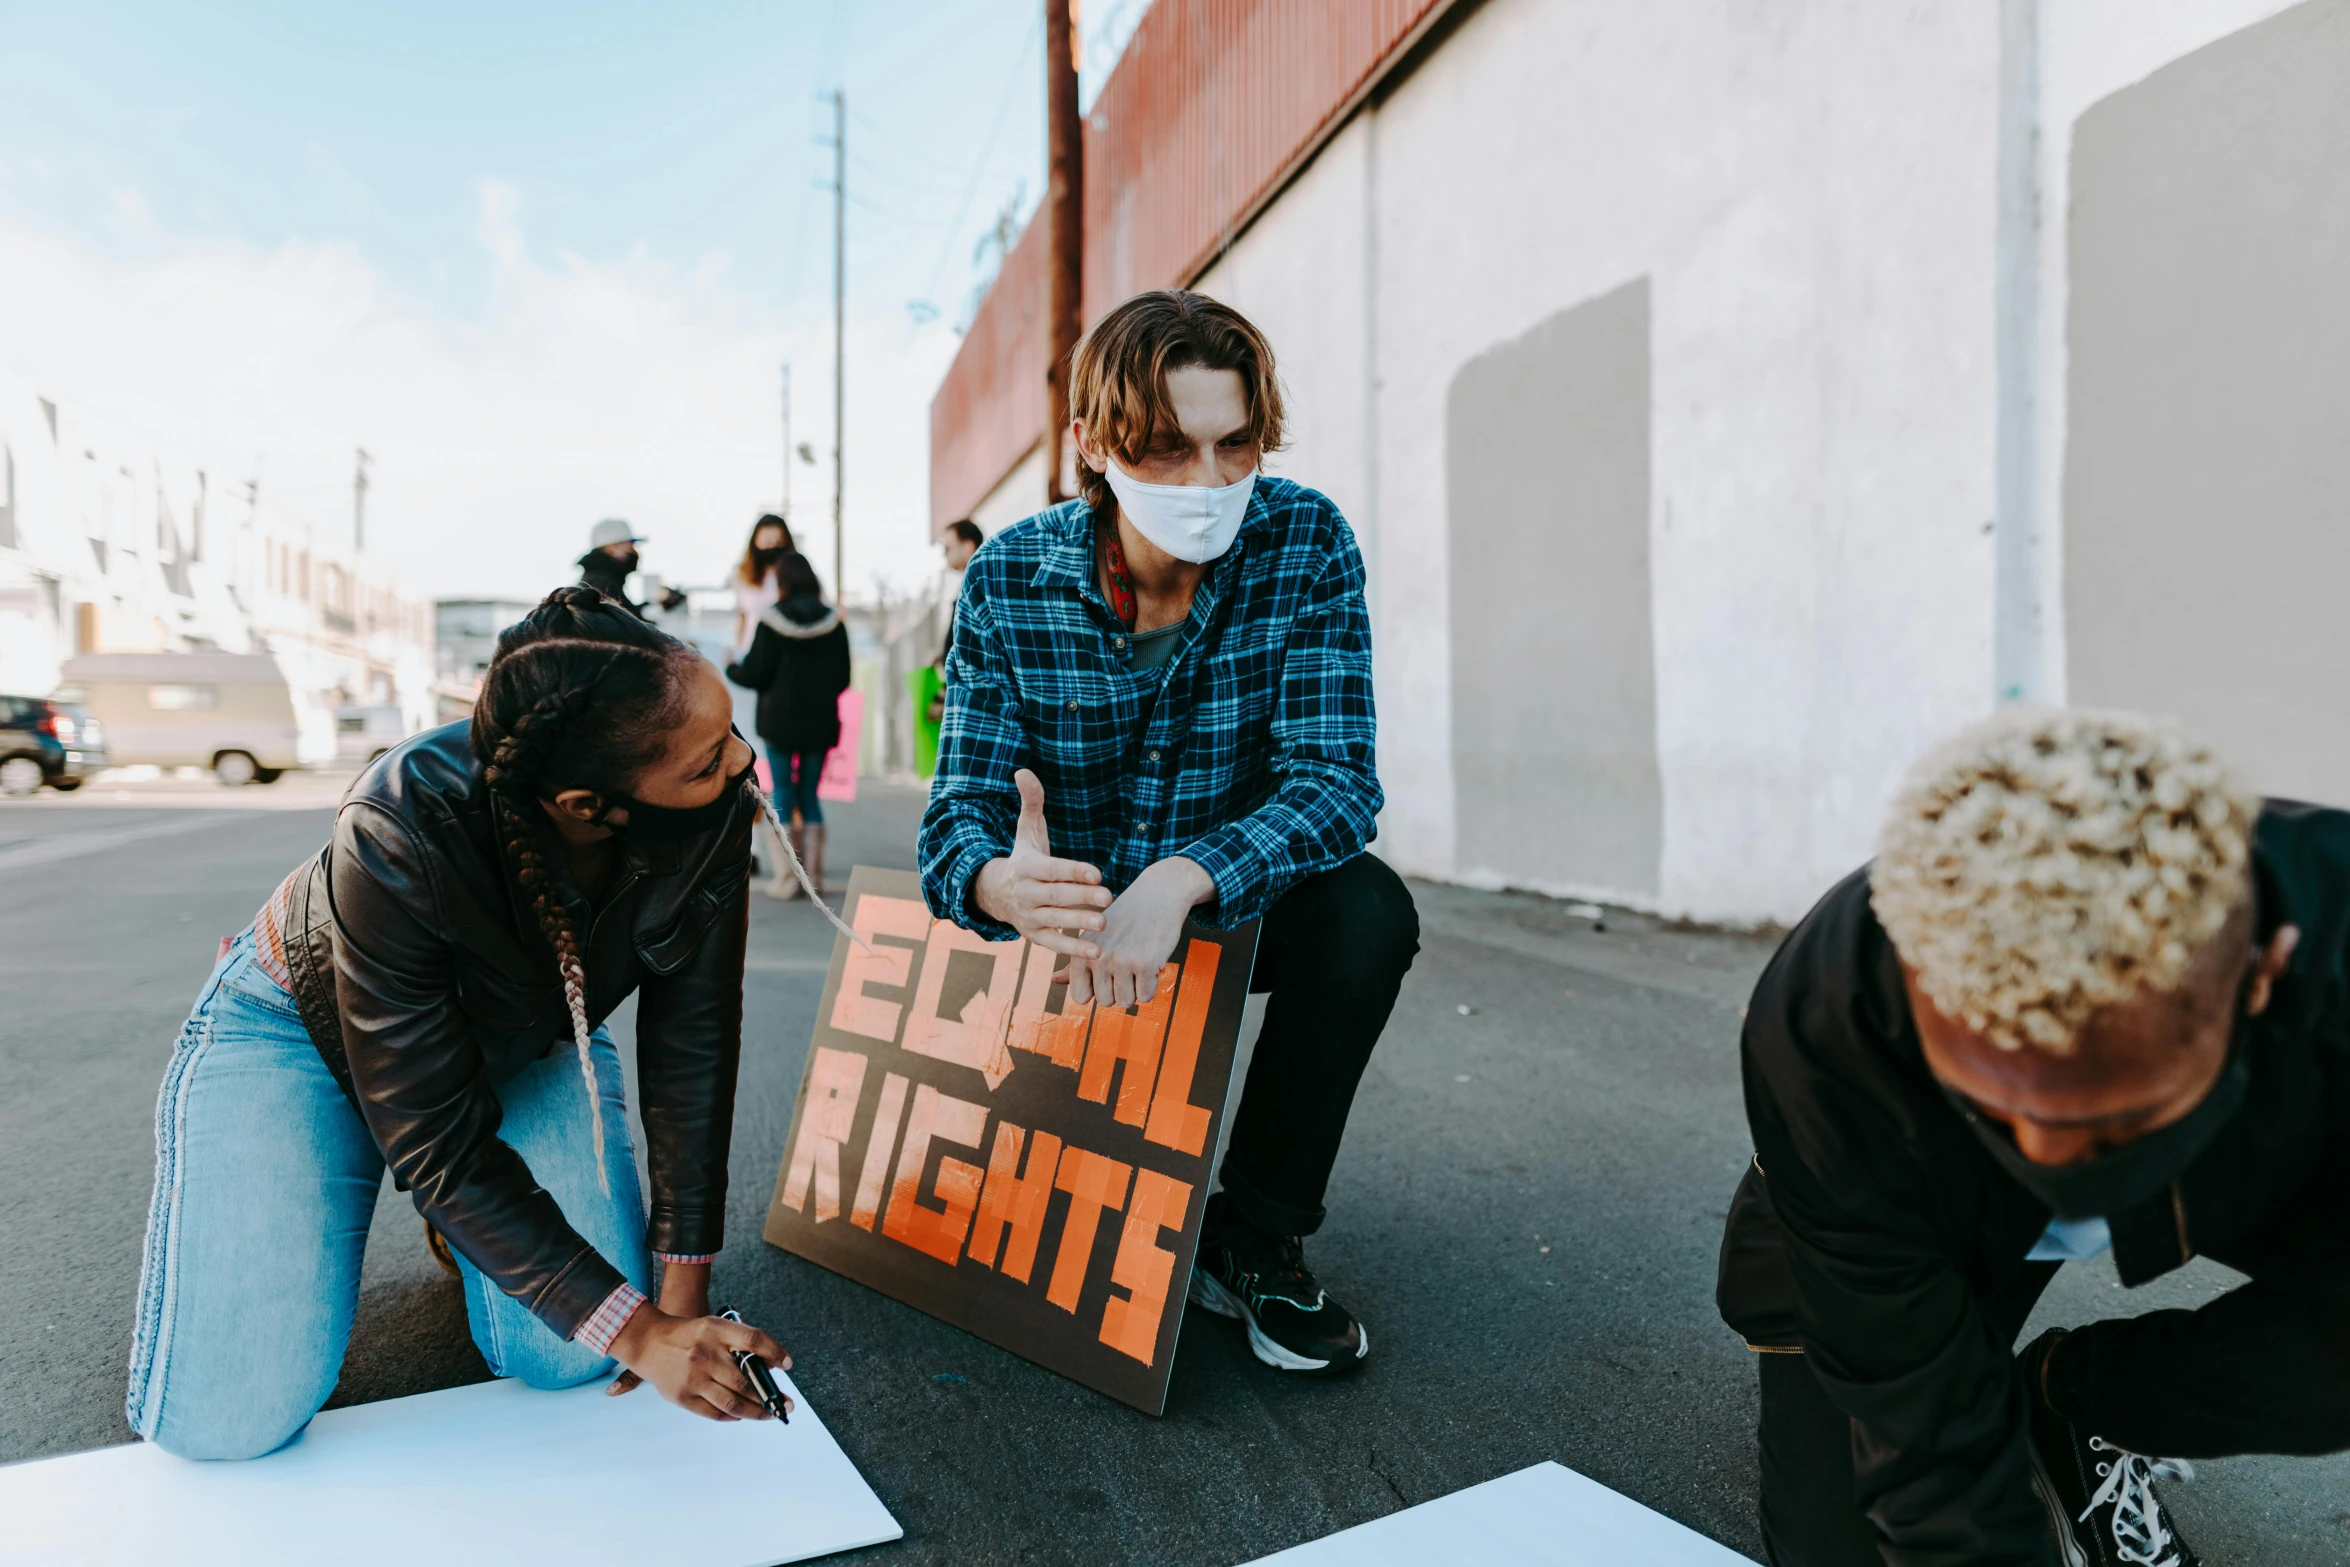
[(1033, 1173)]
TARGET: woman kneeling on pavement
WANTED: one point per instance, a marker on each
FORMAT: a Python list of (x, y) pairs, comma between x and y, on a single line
[(427, 993)]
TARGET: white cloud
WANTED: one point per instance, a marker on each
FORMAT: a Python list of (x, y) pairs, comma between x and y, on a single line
[(634, 387)]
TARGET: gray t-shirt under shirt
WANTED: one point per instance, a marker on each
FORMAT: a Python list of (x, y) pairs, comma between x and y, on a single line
[(1148, 650)]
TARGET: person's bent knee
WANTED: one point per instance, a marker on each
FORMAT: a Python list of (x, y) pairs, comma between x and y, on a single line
[(1372, 913), (548, 1365), (552, 1374), (228, 1435)]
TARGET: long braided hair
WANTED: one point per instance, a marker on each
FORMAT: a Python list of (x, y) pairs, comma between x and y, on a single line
[(581, 695)]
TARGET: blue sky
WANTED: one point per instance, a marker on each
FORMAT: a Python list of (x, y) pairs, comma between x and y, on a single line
[(542, 260)]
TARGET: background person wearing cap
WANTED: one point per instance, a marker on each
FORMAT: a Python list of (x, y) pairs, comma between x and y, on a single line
[(610, 560)]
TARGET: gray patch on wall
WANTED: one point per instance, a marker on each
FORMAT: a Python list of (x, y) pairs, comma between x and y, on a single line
[(1553, 662), (2207, 470)]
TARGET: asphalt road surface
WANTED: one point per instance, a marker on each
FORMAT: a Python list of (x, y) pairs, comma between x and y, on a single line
[(1525, 1215)]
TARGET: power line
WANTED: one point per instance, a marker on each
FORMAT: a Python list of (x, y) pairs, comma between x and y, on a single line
[(986, 149)]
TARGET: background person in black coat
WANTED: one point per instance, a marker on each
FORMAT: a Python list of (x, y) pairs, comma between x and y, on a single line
[(798, 662)]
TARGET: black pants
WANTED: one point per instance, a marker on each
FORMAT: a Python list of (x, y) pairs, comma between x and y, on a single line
[(1332, 953), (2263, 1369)]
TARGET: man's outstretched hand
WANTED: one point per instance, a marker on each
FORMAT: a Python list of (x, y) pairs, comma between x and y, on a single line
[(1051, 902)]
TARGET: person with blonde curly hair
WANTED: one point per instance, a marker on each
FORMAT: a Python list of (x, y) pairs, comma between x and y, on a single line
[(2089, 996)]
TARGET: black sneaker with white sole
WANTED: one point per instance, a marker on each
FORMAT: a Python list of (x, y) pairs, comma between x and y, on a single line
[(1262, 1280), (2101, 1499)]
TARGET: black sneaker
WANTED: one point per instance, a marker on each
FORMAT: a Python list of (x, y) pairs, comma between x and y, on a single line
[(2101, 1499), (1262, 1280)]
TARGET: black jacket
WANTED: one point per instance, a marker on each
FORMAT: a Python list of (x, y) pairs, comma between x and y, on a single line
[(424, 981), (1873, 1226), (798, 662), (601, 572)]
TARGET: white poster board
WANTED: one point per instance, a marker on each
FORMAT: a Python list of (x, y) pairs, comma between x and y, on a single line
[(493, 1473), (1546, 1516)]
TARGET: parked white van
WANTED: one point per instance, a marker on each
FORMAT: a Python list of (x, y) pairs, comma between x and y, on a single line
[(231, 712)]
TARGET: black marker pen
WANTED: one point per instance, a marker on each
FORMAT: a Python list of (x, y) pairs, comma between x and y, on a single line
[(761, 1378)]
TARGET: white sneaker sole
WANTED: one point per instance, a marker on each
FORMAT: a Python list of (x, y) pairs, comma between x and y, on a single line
[(2067, 1543), (1207, 1291)]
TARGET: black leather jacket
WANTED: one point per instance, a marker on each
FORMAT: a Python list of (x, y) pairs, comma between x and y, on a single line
[(424, 981)]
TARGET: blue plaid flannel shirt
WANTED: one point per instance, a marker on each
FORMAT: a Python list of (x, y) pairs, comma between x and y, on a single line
[(1252, 752)]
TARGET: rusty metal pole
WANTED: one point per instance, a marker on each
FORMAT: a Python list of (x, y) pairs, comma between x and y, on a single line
[(840, 336), (1065, 213)]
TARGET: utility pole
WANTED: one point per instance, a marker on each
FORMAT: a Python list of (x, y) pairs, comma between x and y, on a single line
[(359, 502), (786, 512), (840, 319), (1065, 211)]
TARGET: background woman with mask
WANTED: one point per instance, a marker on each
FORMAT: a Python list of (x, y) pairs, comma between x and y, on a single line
[(756, 584), (426, 993)]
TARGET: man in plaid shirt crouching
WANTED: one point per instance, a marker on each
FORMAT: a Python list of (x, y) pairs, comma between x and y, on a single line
[(1159, 705)]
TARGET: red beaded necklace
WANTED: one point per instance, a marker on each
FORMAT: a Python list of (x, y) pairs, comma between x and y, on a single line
[(1114, 572)]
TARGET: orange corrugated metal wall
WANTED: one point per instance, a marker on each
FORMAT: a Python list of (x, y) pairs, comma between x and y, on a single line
[(991, 407), (1208, 109), (1211, 107)]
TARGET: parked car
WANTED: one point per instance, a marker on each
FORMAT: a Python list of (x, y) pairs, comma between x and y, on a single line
[(231, 712), (47, 742), (364, 733)]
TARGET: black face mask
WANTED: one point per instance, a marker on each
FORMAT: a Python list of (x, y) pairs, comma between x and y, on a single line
[(768, 557), (2115, 1182), (668, 823), (624, 564)]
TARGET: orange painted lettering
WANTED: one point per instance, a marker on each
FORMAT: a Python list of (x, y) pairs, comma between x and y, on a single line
[(1015, 1201), (976, 1038), (1134, 1038), (878, 1144), (834, 1081), (1175, 1121), (1036, 987), (937, 1231), (1093, 1182), (853, 1011), (1143, 1266)]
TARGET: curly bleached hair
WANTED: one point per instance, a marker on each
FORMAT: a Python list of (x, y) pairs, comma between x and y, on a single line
[(2043, 864)]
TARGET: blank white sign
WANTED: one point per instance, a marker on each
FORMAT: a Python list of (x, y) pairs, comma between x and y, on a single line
[(493, 1473), (1546, 1516)]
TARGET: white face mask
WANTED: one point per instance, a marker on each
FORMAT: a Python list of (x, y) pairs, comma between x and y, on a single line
[(1189, 521)]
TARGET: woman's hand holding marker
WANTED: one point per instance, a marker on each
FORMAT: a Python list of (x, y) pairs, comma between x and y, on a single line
[(690, 1362)]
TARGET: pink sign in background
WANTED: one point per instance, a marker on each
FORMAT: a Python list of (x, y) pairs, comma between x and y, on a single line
[(840, 765), (839, 779)]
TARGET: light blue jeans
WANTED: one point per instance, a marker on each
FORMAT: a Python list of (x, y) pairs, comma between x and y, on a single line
[(265, 1179)]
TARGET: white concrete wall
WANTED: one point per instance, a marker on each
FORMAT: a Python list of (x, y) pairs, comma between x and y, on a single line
[(1303, 274), (1808, 190), (1850, 215), (2087, 50)]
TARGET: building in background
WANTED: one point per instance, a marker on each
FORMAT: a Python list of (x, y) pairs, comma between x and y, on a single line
[(1732, 400), (465, 638), (110, 545)]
